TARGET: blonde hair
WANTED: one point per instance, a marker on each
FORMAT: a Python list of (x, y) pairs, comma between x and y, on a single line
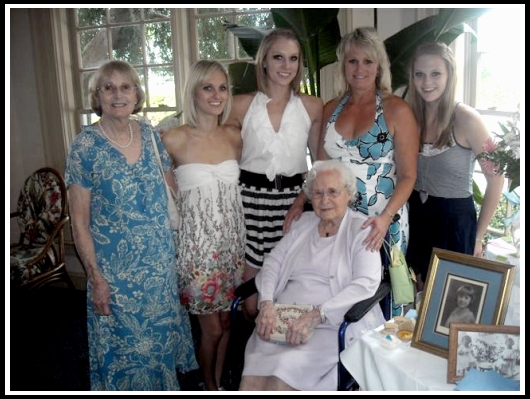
[(370, 41), (446, 106), (200, 71), (105, 71), (263, 50)]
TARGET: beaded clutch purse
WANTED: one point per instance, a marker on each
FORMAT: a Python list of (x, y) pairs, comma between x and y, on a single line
[(286, 313)]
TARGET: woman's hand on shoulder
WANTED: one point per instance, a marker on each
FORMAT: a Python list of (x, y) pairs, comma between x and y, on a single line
[(294, 212), (379, 226)]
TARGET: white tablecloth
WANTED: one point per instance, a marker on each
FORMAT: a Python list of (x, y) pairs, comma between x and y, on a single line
[(404, 368)]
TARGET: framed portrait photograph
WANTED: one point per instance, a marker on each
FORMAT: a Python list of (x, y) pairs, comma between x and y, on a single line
[(460, 289), (483, 347)]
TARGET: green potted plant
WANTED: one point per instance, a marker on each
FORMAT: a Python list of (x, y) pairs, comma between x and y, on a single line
[(319, 34)]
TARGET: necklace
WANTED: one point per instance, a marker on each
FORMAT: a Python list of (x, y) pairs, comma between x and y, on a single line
[(115, 143), (332, 231)]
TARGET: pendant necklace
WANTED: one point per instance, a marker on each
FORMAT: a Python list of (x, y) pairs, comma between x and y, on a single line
[(115, 143)]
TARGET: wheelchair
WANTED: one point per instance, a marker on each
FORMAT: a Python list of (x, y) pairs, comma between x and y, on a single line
[(383, 297)]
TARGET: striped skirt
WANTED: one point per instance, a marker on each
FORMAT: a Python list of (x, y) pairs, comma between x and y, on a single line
[(265, 210)]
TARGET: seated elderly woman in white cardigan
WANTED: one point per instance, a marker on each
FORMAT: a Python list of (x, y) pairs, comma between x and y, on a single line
[(323, 262)]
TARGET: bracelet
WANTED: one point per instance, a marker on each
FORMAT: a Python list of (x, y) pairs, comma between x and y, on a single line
[(389, 214), (322, 314)]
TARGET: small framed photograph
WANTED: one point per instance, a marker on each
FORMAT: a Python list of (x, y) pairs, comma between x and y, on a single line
[(460, 289), (483, 347)]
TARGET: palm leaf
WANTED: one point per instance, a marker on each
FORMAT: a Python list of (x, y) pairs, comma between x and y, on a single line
[(243, 77), (477, 194), (444, 27)]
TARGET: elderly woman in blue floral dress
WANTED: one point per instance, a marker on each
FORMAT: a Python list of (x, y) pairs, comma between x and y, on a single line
[(138, 333)]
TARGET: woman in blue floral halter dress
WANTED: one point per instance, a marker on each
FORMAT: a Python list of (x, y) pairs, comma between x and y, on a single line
[(372, 158), (373, 131)]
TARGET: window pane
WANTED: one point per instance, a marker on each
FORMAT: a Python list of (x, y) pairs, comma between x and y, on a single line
[(158, 41), (499, 60), (161, 87), (214, 40), (94, 47), (91, 16), (127, 44)]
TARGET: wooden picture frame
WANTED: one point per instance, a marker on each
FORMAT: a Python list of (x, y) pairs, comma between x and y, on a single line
[(483, 347), (488, 284)]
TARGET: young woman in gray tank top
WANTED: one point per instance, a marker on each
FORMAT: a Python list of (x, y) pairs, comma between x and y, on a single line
[(442, 210)]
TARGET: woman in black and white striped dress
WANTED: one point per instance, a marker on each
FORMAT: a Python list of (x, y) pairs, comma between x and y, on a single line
[(277, 124)]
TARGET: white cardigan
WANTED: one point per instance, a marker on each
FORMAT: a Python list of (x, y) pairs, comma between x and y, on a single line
[(354, 275)]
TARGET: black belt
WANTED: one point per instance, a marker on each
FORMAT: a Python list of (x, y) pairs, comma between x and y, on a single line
[(262, 181)]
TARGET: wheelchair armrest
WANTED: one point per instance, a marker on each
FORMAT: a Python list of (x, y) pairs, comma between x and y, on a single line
[(358, 310), (246, 289)]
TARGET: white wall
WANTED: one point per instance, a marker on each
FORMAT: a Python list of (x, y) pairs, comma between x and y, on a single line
[(392, 20)]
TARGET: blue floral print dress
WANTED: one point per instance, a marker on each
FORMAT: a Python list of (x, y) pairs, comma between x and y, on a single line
[(148, 335), (371, 157)]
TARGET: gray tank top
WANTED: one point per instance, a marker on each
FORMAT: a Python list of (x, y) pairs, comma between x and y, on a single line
[(446, 172)]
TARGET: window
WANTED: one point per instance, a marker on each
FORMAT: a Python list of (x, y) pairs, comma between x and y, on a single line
[(142, 37), (214, 42), (493, 70), (148, 38)]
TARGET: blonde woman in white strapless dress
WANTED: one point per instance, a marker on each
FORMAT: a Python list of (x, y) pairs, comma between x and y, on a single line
[(211, 235)]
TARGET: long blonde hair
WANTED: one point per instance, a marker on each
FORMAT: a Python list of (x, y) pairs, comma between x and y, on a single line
[(446, 106), (264, 47), (199, 72), (367, 38)]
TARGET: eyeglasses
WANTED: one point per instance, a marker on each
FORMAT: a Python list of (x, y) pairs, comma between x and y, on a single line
[(330, 192), (111, 89)]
